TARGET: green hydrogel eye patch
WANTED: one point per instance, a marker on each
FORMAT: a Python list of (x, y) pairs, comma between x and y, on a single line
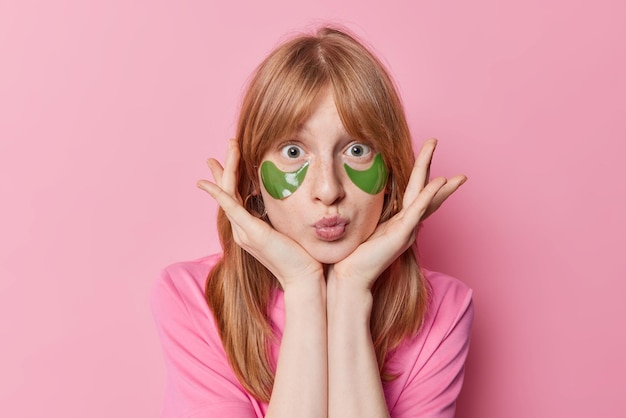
[(280, 184), (373, 180)]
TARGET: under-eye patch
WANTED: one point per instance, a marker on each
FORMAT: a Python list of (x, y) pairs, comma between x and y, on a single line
[(280, 184), (372, 180)]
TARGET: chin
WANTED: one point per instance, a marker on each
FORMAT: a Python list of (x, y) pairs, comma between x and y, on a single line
[(332, 254)]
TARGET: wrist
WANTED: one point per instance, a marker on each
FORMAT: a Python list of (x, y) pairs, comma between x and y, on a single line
[(309, 292), (348, 299)]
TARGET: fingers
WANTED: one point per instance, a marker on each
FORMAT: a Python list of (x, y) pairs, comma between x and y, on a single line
[(226, 177), (224, 190), (413, 212), (233, 209), (420, 180), (229, 176), (429, 192), (421, 171), (216, 170), (442, 194), (430, 160), (220, 196), (249, 232)]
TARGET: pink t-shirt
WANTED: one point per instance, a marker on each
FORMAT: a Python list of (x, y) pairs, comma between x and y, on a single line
[(200, 382)]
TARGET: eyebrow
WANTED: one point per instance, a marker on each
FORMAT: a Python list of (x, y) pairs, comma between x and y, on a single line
[(301, 127)]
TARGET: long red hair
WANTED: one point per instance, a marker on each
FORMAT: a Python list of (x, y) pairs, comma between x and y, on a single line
[(278, 98)]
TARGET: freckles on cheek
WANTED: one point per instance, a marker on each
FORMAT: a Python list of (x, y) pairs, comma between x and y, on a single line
[(373, 180), (280, 184)]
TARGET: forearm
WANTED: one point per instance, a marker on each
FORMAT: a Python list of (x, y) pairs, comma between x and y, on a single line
[(355, 388), (301, 382)]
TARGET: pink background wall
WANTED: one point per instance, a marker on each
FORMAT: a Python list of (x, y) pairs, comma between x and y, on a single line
[(109, 109)]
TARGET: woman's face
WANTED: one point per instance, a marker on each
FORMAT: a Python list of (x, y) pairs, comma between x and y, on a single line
[(326, 212)]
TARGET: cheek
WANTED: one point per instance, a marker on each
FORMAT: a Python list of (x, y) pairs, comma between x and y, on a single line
[(371, 209), (377, 209), (371, 181), (282, 213)]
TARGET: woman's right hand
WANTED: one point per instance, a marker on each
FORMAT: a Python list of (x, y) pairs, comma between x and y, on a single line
[(284, 257)]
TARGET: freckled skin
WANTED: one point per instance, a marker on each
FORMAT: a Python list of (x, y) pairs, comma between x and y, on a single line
[(373, 180)]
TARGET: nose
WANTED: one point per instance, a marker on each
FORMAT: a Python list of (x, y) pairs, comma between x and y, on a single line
[(326, 182)]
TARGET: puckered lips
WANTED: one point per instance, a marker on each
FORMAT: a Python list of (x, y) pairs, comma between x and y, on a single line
[(331, 228)]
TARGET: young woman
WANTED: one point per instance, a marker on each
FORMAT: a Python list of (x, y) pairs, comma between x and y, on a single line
[(317, 306)]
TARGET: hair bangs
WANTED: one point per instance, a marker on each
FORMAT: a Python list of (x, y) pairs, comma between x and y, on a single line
[(280, 108), (358, 112)]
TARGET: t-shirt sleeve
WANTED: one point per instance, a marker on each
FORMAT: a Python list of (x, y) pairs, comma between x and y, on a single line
[(199, 381), (436, 379)]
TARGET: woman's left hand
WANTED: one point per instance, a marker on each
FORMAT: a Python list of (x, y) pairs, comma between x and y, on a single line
[(391, 238)]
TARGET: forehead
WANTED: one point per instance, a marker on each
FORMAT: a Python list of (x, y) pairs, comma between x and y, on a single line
[(323, 119)]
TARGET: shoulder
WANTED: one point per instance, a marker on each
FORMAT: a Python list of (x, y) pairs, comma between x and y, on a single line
[(199, 380), (184, 279), (178, 293), (187, 272), (430, 365), (450, 299), (447, 321), (450, 312)]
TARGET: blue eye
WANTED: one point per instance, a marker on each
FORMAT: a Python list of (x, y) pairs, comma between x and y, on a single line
[(291, 151), (358, 150)]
